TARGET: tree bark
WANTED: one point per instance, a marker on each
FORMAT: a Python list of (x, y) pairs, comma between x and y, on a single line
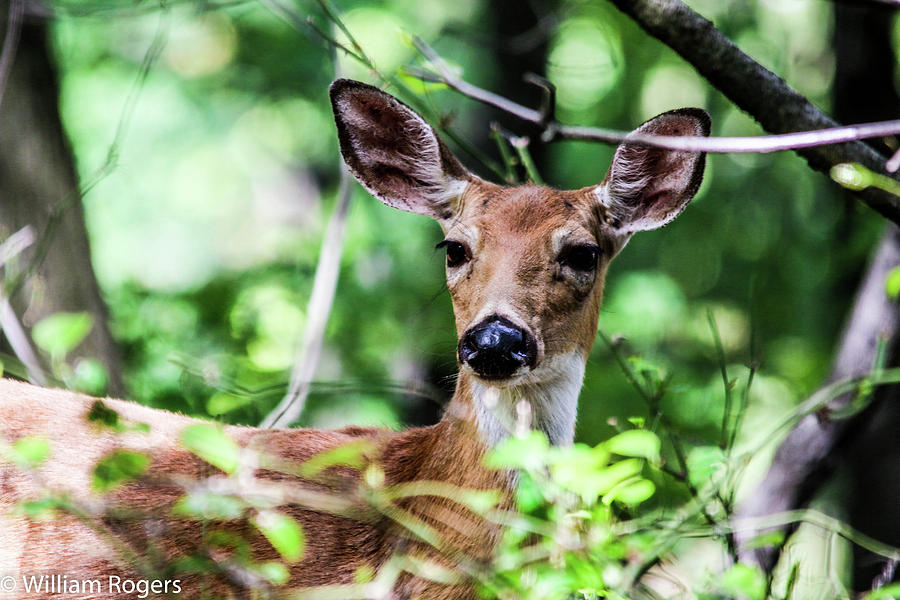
[(39, 187)]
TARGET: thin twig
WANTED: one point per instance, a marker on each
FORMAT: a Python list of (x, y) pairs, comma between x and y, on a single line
[(520, 144), (319, 309), (548, 97), (723, 369), (292, 18), (9, 322), (16, 244), (324, 287), (509, 161), (554, 130)]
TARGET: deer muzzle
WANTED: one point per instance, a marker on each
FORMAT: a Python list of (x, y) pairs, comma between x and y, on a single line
[(496, 348)]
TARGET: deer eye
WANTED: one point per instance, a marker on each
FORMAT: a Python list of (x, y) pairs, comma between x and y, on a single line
[(457, 252), (582, 257)]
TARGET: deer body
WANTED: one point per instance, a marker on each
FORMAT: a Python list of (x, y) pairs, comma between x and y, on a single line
[(525, 270)]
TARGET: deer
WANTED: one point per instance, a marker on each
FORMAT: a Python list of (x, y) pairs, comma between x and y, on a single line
[(525, 270)]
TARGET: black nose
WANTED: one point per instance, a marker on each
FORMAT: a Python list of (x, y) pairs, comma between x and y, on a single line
[(496, 348)]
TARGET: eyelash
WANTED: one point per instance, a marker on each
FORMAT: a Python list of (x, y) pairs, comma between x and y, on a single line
[(457, 252), (582, 257)]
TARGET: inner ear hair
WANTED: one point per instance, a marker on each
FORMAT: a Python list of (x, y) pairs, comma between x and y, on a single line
[(394, 153), (647, 187)]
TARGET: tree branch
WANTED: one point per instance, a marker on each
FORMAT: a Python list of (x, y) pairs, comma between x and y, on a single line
[(554, 130), (753, 88), (802, 457), (9, 322), (766, 97)]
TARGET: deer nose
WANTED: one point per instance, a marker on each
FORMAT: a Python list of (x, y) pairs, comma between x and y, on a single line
[(496, 348)]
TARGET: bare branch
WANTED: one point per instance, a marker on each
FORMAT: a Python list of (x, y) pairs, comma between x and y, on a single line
[(553, 130), (319, 309), (322, 298), (9, 322), (778, 108), (16, 244), (755, 89)]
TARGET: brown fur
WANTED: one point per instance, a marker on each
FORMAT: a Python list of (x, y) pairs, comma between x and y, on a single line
[(515, 237)]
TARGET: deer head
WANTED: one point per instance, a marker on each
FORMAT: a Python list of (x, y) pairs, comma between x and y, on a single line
[(525, 264)]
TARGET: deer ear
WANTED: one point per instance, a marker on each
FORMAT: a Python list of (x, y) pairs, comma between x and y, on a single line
[(394, 153), (648, 187)]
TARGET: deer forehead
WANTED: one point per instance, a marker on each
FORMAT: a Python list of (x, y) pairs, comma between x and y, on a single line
[(531, 218)]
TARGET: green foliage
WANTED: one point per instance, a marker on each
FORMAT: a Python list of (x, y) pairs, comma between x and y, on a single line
[(27, 452), (90, 377), (744, 581), (60, 333), (121, 466), (884, 593), (567, 539), (352, 454), (210, 443), (209, 506), (283, 532)]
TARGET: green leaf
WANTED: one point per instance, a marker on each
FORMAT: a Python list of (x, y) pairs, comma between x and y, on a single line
[(117, 468), (529, 496), (40, 510), (273, 571), (590, 480), (703, 462), (90, 377), (892, 284), (631, 492), (479, 501), (209, 506), (767, 538), (639, 443), (222, 402), (210, 443), (887, 592), (528, 452), (283, 532), (352, 454), (103, 415), (29, 451), (61, 332), (745, 581)]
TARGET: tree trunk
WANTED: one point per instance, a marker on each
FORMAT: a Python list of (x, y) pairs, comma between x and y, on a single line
[(864, 91), (39, 187)]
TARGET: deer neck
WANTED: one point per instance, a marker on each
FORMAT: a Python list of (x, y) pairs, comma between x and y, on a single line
[(549, 405)]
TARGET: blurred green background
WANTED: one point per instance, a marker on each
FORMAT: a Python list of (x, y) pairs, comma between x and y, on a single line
[(206, 233)]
